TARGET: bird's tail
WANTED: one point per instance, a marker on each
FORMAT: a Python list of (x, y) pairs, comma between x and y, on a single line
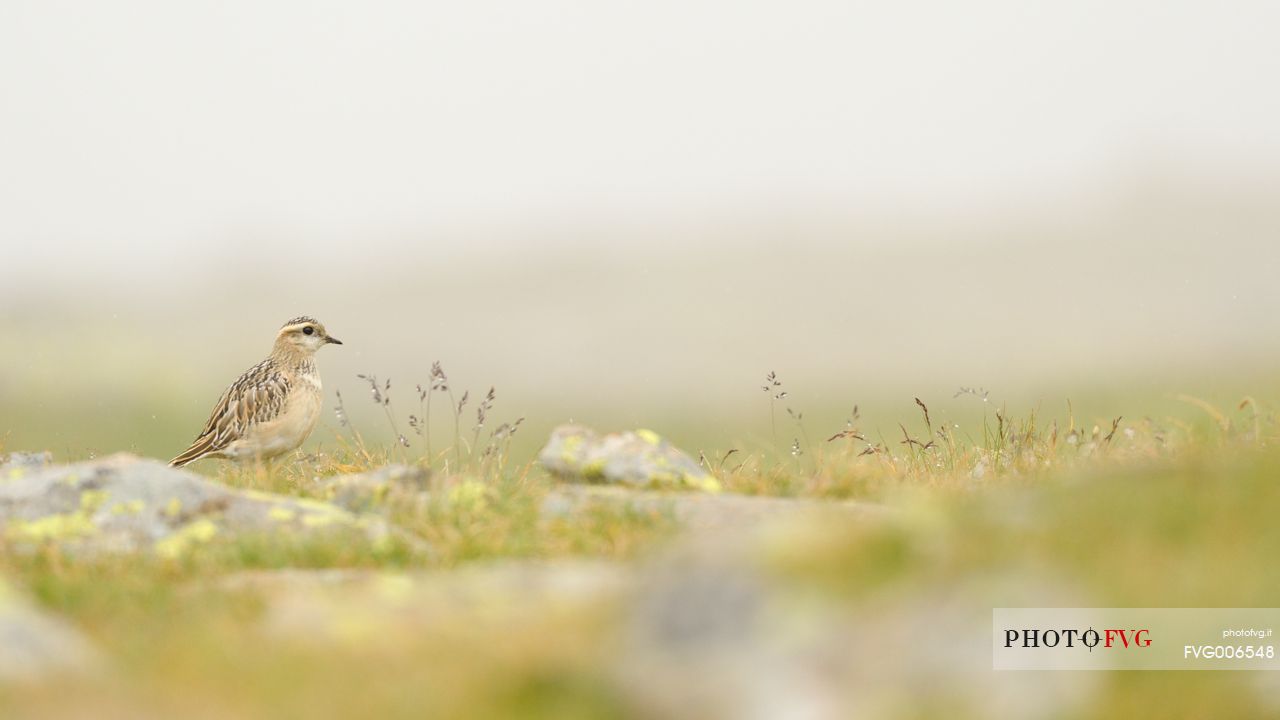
[(202, 446)]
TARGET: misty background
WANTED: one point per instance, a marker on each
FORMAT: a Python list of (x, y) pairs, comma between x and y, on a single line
[(628, 213)]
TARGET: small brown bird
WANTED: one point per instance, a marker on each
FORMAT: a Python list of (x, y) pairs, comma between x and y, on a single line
[(273, 407)]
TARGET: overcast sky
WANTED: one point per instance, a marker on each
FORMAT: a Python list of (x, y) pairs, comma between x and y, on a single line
[(874, 199), (137, 132)]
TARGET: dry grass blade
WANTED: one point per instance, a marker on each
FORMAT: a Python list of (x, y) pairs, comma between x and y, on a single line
[(1224, 422)]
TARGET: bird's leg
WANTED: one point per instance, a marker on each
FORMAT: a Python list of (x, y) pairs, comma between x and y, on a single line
[(260, 472)]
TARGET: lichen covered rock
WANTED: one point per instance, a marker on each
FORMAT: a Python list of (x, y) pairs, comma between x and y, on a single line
[(381, 608), (126, 504), (639, 458), (16, 462), (707, 513), (374, 490)]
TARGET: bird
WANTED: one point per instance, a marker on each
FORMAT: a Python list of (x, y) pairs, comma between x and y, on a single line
[(272, 408)]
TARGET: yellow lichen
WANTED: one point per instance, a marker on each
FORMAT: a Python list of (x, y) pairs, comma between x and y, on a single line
[(91, 500), (306, 504), (283, 514), (706, 483), (663, 478), (569, 450), (317, 520), (133, 507), (173, 508), (649, 436), (175, 545), (52, 527)]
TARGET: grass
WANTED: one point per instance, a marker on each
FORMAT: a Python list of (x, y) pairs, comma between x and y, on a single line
[(1173, 509)]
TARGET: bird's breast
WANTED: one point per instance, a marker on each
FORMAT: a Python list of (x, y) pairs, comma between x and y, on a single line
[(298, 417), (304, 404), (310, 381)]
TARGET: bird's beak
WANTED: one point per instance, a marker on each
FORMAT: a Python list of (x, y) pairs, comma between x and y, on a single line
[(332, 340)]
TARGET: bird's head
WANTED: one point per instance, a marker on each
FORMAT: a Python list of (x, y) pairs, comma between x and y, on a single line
[(305, 335)]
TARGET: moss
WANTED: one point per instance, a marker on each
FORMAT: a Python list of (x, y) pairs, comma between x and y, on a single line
[(594, 470)]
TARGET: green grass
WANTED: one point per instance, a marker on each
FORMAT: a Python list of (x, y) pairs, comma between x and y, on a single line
[(1169, 510)]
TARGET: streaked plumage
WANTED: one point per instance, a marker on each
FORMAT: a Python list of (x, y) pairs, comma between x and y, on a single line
[(273, 406)]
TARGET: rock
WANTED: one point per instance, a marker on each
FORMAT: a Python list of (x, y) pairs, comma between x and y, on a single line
[(18, 461), (371, 607), (704, 512), (365, 492), (769, 625), (125, 504), (35, 645), (639, 458)]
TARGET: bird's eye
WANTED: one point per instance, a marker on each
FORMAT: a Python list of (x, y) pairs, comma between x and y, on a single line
[(308, 330)]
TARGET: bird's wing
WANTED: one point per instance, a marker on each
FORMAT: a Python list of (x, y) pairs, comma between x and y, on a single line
[(258, 396)]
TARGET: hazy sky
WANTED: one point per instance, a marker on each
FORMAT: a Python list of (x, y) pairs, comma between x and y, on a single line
[(904, 198), (136, 132)]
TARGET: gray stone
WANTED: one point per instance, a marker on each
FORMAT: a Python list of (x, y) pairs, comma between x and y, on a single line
[(705, 512), (373, 490), (639, 458), (125, 504), (19, 460), (725, 627), (364, 607)]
